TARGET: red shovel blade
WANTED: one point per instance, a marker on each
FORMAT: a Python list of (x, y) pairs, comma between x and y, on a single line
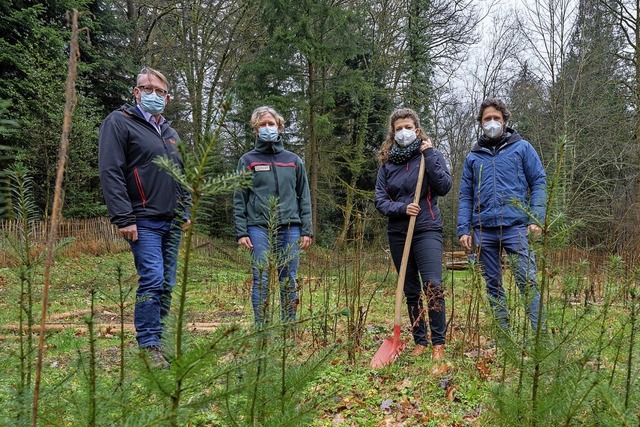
[(389, 350)]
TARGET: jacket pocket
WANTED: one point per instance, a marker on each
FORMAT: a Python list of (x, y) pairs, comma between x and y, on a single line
[(140, 187)]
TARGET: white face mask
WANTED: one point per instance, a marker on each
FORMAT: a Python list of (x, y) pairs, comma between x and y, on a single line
[(405, 137), (492, 129)]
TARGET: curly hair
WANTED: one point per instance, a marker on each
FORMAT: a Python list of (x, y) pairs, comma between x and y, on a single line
[(399, 114), (496, 103)]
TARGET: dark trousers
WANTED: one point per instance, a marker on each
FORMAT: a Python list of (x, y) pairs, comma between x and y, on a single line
[(424, 275)]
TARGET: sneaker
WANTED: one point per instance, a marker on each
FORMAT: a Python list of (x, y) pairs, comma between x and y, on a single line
[(438, 353), (418, 350), (156, 358)]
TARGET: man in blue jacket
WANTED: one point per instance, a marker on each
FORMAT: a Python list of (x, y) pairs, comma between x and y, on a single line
[(146, 204), (502, 202)]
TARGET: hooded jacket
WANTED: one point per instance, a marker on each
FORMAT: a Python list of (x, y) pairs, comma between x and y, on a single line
[(502, 185), (396, 186), (276, 172), (134, 187)]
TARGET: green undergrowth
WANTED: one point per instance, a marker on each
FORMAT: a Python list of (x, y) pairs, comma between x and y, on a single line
[(317, 373)]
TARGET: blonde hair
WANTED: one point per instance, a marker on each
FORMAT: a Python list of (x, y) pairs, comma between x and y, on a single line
[(148, 70), (261, 111), (400, 113)]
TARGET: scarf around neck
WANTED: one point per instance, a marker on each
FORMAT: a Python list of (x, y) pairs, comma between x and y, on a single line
[(400, 155)]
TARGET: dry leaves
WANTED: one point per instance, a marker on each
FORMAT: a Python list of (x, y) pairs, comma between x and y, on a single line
[(472, 417), (399, 413), (483, 367), (440, 369), (449, 389)]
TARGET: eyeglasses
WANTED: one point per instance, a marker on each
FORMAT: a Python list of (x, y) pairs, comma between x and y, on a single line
[(148, 90)]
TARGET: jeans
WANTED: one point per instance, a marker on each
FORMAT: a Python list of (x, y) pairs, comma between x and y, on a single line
[(282, 251), (424, 275), (490, 242), (155, 254)]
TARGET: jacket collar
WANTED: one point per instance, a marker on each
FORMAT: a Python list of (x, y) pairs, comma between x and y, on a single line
[(134, 111), (508, 137), (267, 147)]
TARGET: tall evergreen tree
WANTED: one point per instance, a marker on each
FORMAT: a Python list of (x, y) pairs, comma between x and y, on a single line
[(419, 91), (296, 69), (32, 76)]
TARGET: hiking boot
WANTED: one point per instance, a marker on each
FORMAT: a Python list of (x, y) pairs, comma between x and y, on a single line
[(438, 353), (418, 350), (155, 357)]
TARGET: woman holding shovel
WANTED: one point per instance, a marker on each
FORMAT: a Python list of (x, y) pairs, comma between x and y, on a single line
[(405, 149)]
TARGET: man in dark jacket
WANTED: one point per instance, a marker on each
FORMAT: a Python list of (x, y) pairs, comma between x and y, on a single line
[(502, 202), (146, 204)]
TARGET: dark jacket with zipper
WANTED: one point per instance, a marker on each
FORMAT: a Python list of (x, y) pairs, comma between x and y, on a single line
[(396, 186), (503, 184), (276, 172), (134, 187)]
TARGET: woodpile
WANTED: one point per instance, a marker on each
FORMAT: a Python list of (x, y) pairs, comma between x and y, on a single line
[(456, 260)]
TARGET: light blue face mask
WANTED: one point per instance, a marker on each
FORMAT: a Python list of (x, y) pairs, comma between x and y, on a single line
[(268, 133), (152, 103)]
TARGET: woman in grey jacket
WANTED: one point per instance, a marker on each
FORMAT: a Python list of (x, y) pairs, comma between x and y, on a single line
[(399, 159), (281, 174)]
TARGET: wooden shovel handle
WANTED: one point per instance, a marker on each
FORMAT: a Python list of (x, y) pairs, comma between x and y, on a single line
[(407, 248)]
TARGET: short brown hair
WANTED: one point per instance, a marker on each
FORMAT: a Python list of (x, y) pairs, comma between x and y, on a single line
[(399, 114), (261, 111), (148, 70), (496, 103)]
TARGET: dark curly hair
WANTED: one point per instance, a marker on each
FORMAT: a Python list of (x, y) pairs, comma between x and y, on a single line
[(496, 103)]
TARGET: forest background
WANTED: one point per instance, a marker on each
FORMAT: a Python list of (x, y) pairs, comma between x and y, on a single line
[(569, 71)]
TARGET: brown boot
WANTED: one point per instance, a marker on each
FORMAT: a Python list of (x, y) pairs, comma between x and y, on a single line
[(418, 350), (438, 353)]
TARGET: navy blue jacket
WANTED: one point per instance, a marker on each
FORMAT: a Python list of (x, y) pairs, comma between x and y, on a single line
[(276, 172), (396, 185), (132, 184), (503, 185)]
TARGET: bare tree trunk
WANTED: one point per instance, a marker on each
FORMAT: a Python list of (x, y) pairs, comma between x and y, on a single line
[(70, 103), (313, 147), (636, 202), (130, 10)]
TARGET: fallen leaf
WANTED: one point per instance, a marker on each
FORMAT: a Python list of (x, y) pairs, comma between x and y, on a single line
[(483, 368), (446, 382), (440, 369), (451, 394), (404, 384), (405, 404), (472, 416), (338, 419), (386, 405), (389, 422)]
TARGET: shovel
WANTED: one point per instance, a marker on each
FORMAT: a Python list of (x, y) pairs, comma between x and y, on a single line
[(392, 347)]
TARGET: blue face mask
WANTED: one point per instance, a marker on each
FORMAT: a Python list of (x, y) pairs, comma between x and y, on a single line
[(268, 133), (152, 103)]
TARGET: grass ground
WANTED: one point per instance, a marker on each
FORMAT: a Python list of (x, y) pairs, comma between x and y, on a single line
[(346, 390)]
